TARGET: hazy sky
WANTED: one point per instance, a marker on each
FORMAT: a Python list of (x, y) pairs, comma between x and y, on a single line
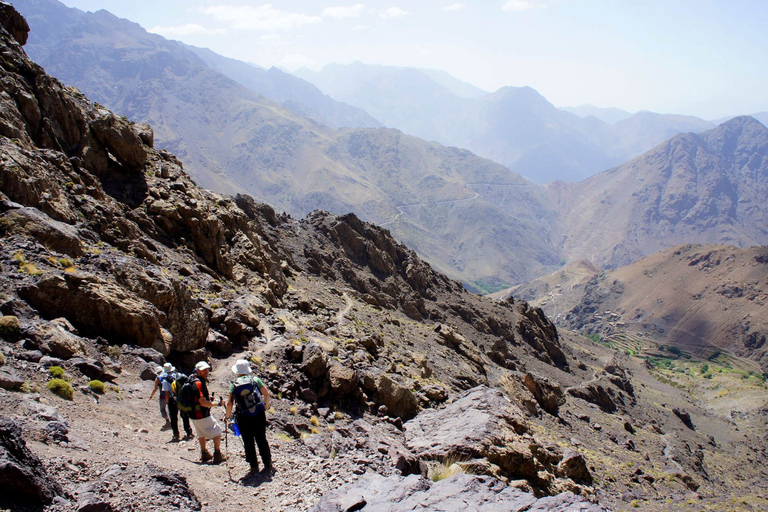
[(701, 57)]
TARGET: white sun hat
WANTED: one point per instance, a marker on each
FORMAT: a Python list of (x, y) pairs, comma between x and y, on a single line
[(168, 367), (241, 367), (202, 365)]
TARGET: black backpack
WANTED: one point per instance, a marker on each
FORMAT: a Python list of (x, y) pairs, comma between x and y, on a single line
[(178, 382), (187, 394), (247, 397)]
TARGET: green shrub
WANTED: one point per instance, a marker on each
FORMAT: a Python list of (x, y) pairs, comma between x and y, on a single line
[(62, 388), (56, 372), (9, 326), (96, 386)]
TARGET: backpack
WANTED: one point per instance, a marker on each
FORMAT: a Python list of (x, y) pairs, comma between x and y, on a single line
[(178, 383), (247, 397), (166, 381), (188, 394)]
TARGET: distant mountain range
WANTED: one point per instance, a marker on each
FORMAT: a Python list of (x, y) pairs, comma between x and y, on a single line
[(234, 140), (609, 115), (514, 126), (471, 218)]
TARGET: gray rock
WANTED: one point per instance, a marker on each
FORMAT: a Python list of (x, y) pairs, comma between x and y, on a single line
[(23, 478), (57, 430), (91, 368), (314, 361), (458, 493), (10, 380), (41, 411), (30, 355), (48, 361)]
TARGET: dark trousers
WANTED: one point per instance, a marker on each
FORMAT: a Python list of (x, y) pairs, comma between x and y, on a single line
[(172, 412), (253, 431)]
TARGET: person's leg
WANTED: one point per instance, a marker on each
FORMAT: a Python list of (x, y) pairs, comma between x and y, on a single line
[(163, 402), (261, 439), (173, 412), (185, 422), (247, 434)]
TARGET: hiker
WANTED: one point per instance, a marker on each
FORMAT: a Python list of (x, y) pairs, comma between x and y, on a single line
[(172, 376), (206, 425), (164, 385), (251, 398)]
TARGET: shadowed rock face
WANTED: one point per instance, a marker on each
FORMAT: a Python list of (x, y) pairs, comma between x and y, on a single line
[(23, 478)]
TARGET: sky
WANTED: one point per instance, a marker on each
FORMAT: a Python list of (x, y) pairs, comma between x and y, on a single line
[(697, 57)]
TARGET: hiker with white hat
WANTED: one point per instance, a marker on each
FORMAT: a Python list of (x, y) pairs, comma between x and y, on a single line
[(206, 425), (251, 398), (163, 382)]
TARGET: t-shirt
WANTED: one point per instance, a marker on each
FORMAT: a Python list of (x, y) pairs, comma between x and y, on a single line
[(256, 380)]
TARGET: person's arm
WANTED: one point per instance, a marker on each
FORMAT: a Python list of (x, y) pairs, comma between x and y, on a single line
[(204, 401), (230, 403), (154, 390), (265, 393)]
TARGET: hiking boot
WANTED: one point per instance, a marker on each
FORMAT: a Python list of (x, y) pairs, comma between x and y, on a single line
[(188, 436), (175, 438), (218, 457), (254, 468), (205, 456), (166, 426)]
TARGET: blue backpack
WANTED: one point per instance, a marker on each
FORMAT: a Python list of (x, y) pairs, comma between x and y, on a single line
[(247, 397)]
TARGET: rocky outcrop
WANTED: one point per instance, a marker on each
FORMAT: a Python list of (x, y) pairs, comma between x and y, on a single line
[(121, 486), (548, 395), (100, 307), (23, 478), (458, 493), (483, 431)]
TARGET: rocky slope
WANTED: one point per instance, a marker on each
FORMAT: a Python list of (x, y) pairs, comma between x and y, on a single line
[(700, 299), (695, 188), (112, 261)]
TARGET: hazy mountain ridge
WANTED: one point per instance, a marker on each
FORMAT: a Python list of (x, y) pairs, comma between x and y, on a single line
[(291, 92), (514, 126)]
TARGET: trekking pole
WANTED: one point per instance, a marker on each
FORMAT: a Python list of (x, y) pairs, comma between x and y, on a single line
[(226, 445)]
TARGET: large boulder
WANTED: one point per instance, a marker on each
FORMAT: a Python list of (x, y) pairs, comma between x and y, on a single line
[(100, 307), (390, 391), (51, 233), (458, 493), (56, 341), (183, 317), (23, 478)]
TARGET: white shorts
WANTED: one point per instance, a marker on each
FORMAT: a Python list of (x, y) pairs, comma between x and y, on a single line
[(207, 428)]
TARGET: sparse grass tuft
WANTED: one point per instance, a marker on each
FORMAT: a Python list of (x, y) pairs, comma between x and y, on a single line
[(61, 388), (56, 372), (112, 351), (315, 421), (96, 386), (445, 469), (294, 410)]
